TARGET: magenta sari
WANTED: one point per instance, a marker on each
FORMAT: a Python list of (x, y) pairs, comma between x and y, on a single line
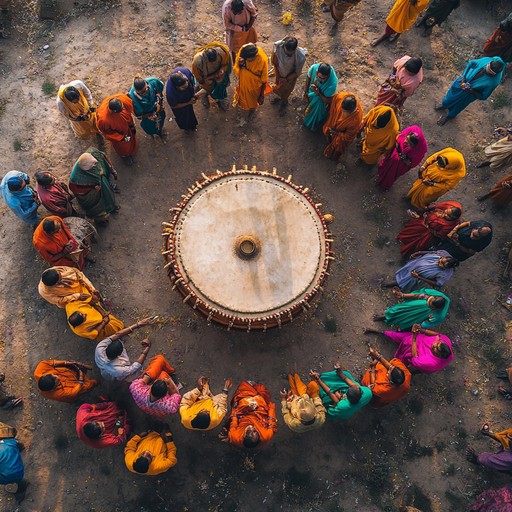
[(426, 362), (402, 159)]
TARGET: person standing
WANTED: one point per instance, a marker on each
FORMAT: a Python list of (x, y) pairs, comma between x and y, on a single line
[(477, 82), (54, 194), (499, 153), (436, 14), (501, 194), (288, 60), (75, 102), (320, 88), (148, 104), (20, 197), (239, 17), (180, 91), (12, 469), (500, 42), (115, 122), (468, 238), (338, 9)]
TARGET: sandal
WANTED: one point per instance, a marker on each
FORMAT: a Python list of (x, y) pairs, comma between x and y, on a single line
[(507, 394)]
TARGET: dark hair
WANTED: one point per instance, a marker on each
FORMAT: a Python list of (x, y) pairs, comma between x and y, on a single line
[(354, 394), (324, 69), (248, 442), (413, 65), (139, 83), (46, 383), (115, 349), (444, 351), (201, 421), (496, 66), (249, 51), (115, 105), (75, 319), (92, 430), (451, 262), (384, 119), (397, 376), (237, 6), (43, 178), (438, 302), (349, 104), (71, 93), (211, 54), (290, 43), (141, 465), (456, 212), (49, 226), (177, 79), (15, 186), (50, 277), (159, 388), (413, 138)]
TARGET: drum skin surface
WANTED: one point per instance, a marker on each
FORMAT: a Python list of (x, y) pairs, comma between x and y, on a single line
[(248, 249)]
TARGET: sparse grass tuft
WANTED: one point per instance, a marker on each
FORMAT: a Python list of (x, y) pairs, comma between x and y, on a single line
[(49, 88), (501, 100), (17, 145)]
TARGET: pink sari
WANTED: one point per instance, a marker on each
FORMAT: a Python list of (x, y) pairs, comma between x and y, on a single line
[(402, 159), (426, 362)]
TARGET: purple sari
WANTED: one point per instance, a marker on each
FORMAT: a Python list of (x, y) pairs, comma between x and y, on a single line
[(402, 159)]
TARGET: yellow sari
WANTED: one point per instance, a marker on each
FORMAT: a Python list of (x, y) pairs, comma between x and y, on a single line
[(72, 284), (436, 181), (250, 80), (378, 141), (73, 110), (94, 315), (403, 14)]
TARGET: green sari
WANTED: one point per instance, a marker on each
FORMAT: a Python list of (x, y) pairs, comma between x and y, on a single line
[(98, 204)]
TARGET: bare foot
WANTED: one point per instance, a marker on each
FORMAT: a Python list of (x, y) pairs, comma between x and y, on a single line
[(442, 120), (439, 106), (471, 455), (371, 331)]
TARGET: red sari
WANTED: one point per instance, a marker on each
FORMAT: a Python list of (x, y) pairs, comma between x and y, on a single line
[(420, 234), (56, 199)]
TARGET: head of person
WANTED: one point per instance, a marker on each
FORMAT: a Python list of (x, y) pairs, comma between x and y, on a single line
[(71, 94), (159, 388), (442, 161), (249, 51), (483, 231), (307, 413), (453, 213), (76, 319), (323, 72), (251, 437), (115, 105), (413, 65), (114, 350), (494, 67), (412, 139), (211, 55), (93, 429), (140, 85), (354, 394), (448, 262), (397, 376), (201, 421), (50, 277), (441, 349), (290, 45), (349, 104), (47, 382), (179, 80), (44, 178), (141, 465), (15, 184), (436, 302), (51, 226), (384, 119), (86, 161), (237, 6)]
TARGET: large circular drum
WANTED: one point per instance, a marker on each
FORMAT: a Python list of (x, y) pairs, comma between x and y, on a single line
[(248, 249)]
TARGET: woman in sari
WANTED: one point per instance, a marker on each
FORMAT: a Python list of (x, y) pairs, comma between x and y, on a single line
[(468, 238), (342, 125), (433, 225), (500, 42), (90, 181), (405, 77), (437, 12), (501, 194), (410, 149), (239, 17), (57, 245), (90, 320), (440, 173), (477, 82), (180, 91), (75, 102), (426, 269), (338, 9), (499, 154), (320, 88), (147, 96), (427, 307), (54, 194), (380, 127)]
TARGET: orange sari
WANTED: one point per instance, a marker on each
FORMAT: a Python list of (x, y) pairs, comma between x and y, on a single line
[(378, 141)]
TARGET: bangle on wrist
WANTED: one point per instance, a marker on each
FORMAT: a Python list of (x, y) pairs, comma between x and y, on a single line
[(225, 391)]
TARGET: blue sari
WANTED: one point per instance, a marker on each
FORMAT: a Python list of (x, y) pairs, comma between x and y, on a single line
[(150, 103), (21, 202), (457, 99), (185, 116), (316, 111)]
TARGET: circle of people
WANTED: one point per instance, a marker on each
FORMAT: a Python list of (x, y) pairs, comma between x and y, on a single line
[(435, 240)]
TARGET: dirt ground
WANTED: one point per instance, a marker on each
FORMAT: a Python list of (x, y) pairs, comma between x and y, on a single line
[(411, 451)]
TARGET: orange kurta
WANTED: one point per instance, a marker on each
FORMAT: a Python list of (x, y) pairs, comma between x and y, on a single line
[(69, 387), (384, 392), (251, 78), (378, 141), (115, 126), (49, 246), (263, 417), (341, 127)]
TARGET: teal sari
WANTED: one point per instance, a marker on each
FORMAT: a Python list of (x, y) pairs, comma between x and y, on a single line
[(150, 103), (316, 111)]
